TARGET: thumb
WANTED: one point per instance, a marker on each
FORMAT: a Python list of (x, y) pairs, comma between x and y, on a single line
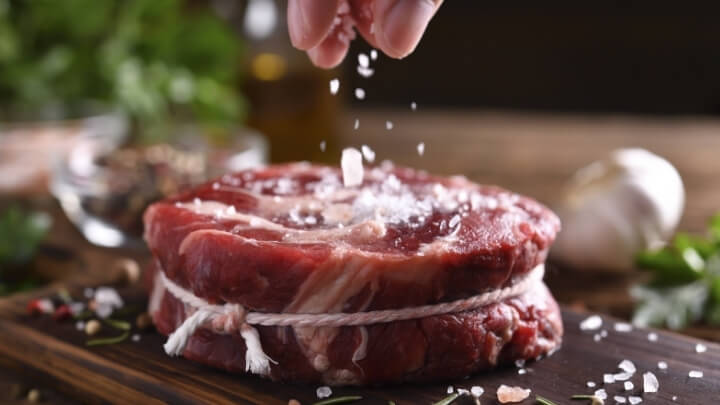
[(400, 24)]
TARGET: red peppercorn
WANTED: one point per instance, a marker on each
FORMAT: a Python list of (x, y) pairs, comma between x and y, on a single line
[(62, 312), (33, 307)]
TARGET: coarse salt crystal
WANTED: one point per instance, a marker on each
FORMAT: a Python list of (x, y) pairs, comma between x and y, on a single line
[(323, 145), (619, 399), (368, 153), (601, 393), (662, 365), (506, 394), (634, 400), (627, 365), (365, 71), (650, 382), (413, 106), (652, 336), (373, 54), (421, 148), (522, 371), (608, 378), (476, 390), (359, 93), (591, 323), (388, 125), (628, 385), (452, 224), (135, 338), (463, 391), (674, 397), (597, 337), (700, 348), (623, 327), (603, 333), (450, 389), (622, 376), (363, 60), (323, 392), (352, 167), (519, 363), (695, 374), (334, 86), (590, 384)]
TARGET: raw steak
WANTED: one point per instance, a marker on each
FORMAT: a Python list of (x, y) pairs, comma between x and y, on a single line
[(293, 239)]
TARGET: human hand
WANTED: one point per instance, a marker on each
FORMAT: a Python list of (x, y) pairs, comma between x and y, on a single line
[(324, 28)]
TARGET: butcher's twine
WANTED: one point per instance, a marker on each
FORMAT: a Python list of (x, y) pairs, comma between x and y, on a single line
[(231, 318)]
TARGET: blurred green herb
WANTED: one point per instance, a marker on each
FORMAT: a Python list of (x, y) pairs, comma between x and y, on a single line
[(155, 59), (685, 287), (20, 234)]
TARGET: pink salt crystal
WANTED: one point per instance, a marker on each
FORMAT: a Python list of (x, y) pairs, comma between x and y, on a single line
[(507, 394)]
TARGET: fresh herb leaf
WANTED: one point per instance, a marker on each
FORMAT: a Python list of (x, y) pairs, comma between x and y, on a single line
[(108, 341), (544, 401), (448, 399), (339, 400)]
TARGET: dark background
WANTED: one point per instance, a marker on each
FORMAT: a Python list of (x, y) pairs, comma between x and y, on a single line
[(634, 57)]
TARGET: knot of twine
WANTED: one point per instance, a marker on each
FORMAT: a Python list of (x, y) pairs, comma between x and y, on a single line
[(232, 318)]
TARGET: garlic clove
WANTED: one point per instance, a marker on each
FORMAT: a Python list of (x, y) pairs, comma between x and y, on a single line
[(613, 208)]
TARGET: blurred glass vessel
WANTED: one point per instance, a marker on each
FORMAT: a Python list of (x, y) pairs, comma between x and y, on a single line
[(104, 191)]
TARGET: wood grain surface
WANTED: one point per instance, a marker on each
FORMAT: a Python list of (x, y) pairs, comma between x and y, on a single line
[(141, 373)]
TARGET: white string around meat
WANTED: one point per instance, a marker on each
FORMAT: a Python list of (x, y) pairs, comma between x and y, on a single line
[(231, 318)]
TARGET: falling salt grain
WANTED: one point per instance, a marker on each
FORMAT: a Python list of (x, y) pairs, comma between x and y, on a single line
[(700, 348), (477, 391), (357, 124), (601, 394), (695, 374), (363, 60), (388, 125), (368, 153), (662, 365), (450, 389), (603, 333), (652, 336), (591, 323), (373, 54), (365, 71), (323, 392), (507, 394), (590, 384), (359, 93), (413, 106), (421, 148), (634, 400), (629, 385), (627, 365), (135, 338), (619, 399), (650, 382), (323, 145), (352, 167), (334, 86), (623, 327)]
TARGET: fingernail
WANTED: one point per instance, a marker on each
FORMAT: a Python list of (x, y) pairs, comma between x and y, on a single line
[(404, 25)]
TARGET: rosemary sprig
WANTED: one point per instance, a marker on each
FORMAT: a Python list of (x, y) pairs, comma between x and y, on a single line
[(117, 324), (339, 400), (108, 341), (448, 399), (544, 401)]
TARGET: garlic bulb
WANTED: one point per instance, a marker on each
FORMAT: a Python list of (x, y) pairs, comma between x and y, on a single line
[(615, 207)]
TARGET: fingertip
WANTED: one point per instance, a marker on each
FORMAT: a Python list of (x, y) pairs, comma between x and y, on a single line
[(401, 24), (309, 21), (329, 53)]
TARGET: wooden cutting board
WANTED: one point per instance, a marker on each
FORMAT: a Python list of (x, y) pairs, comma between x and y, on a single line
[(54, 353)]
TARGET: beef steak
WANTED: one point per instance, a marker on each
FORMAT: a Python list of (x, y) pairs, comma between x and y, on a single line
[(292, 239)]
